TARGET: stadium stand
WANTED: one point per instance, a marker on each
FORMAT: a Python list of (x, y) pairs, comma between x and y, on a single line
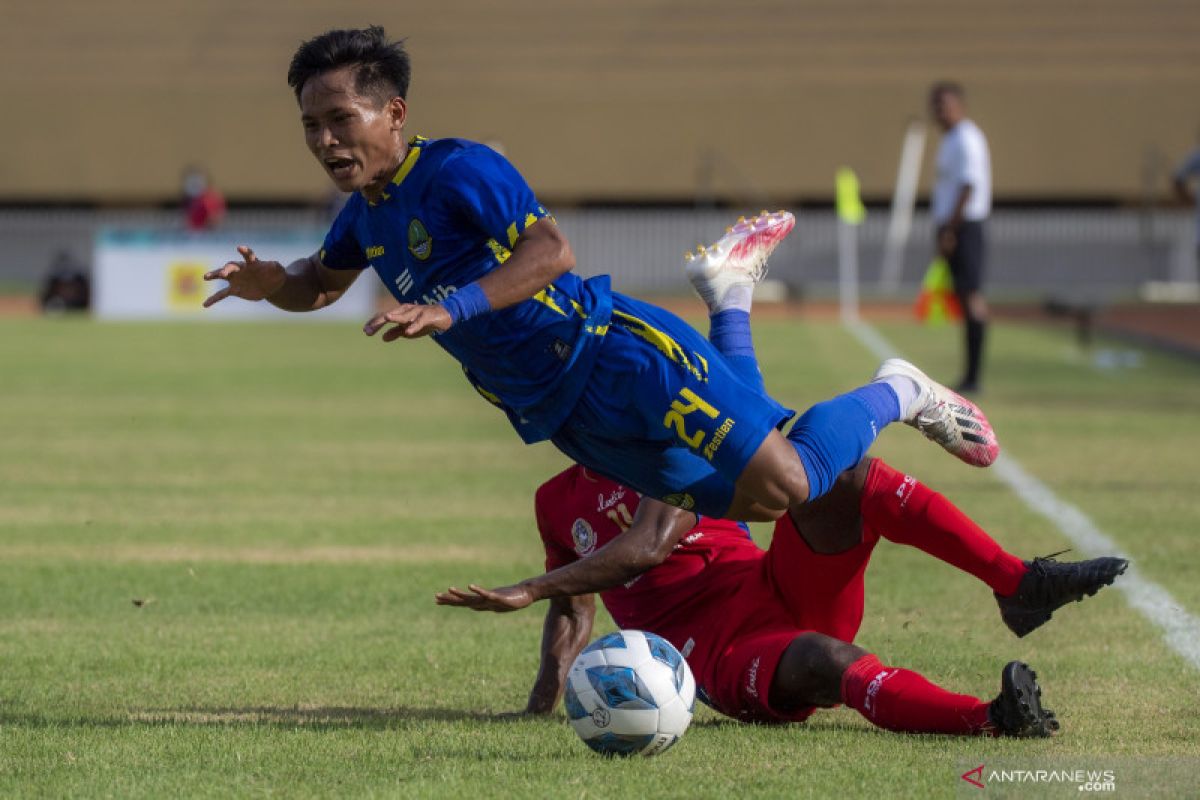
[(628, 100)]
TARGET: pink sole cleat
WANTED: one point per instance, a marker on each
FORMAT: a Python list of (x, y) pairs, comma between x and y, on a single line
[(739, 258), (946, 417)]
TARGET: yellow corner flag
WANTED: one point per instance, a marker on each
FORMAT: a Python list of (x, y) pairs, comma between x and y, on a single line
[(849, 205), (937, 303)]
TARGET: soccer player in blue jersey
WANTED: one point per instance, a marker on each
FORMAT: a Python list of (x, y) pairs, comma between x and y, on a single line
[(619, 385)]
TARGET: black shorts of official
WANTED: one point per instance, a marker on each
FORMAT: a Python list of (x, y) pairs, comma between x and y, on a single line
[(967, 260)]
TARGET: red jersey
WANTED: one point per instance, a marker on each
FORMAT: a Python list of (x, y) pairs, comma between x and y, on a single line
[(579, 512)]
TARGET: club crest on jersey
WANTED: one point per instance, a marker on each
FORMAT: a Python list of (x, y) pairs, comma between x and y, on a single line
[(584, 536), (420, 243)]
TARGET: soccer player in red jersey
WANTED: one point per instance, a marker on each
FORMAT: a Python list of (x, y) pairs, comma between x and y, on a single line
[(769, 634)]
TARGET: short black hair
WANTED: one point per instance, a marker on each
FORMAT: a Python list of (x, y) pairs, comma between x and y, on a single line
[(381, 68), (947, 87)]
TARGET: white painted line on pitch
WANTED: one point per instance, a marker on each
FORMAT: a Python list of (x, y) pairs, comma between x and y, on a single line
[(1180, 629)]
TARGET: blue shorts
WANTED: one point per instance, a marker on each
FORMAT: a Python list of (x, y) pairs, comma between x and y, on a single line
[(663, 413)]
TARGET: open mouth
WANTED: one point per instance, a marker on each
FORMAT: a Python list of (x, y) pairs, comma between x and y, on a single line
[(338, 166)]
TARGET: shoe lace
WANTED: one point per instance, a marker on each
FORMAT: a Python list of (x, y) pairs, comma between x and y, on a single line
[(1053, 581), (1050, 559)]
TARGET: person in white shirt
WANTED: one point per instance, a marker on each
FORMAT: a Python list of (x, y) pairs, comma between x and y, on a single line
[(1185, 175), (960, 205)]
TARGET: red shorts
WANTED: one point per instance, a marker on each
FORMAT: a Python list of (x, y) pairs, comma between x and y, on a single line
[(734, 637)]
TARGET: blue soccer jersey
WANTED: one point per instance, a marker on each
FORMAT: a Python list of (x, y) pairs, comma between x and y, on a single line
[(452, 214)]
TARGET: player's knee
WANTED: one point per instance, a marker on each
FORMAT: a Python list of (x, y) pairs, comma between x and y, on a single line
[(748, 510), (833, 522), (775, 477), (810, 671), (793, 484), (856, 478)]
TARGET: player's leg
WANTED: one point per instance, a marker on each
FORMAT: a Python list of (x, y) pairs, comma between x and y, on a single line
[(829, 438), (725, 273), (659, 382), (834, 435), (902, 509), (818, 559), (779, 673), (782, 672), (967, 269), (876, 500), (819, 670)]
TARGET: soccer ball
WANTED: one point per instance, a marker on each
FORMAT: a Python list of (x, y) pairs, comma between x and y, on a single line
[(630, 693)]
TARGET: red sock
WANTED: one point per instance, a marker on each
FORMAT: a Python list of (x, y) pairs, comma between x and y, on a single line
[(901, 700), (906, 511)]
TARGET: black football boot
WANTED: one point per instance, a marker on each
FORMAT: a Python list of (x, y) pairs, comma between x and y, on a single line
[(1050, 584), (1018, 711)]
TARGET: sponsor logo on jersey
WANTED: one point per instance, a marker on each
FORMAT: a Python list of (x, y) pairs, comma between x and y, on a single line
[(375, 251), (752, 677), (420, 244), (584, 536), (710, 449), (438, 294), (611, 500), (905, 489)]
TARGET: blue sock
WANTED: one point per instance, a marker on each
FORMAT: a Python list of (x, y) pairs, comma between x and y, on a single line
[(833, 436), (729, 332)]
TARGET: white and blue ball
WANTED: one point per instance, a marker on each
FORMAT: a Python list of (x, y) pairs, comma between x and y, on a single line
[(630, 693)]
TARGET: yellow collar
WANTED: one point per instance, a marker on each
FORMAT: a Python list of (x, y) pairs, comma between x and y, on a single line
[(414, 152), (410, 160)]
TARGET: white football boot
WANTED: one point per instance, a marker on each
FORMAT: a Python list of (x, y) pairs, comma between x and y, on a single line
[(944, 416), (739, 258)]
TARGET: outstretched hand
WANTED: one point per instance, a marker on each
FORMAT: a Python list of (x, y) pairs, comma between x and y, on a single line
[(501, 600), (411, 321), (249, 279)]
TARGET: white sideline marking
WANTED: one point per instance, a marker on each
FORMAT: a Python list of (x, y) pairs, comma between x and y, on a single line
[(1181, 630)]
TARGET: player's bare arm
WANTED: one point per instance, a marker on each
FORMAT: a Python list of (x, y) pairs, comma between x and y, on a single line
[(541, 254), (656, 529), (304, 285), (566, 631)]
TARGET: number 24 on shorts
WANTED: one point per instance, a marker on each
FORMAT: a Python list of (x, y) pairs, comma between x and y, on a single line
[(688, 402)]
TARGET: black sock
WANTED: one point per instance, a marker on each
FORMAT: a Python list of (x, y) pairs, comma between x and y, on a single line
[(975, 335)]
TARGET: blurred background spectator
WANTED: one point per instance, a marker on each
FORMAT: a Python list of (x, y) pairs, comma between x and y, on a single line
[(66, 286), (1186, 176), (203, 205)]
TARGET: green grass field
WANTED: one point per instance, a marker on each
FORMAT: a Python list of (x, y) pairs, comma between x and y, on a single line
[(283, 501)]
